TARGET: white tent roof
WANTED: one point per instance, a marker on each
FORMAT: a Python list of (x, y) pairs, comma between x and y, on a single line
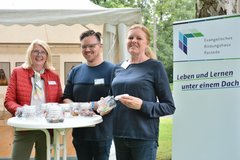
[(69, 17), (70, 12), (67, 12), (49, 4)]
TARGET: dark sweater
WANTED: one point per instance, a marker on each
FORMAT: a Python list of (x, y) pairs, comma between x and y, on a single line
[(147, 81), (87, 84)]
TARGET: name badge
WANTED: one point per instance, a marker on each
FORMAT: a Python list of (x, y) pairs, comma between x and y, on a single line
[(99, 81), (52, 83), (125, 64)]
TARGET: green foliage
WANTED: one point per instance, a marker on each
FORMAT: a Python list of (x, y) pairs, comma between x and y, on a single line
[(115, 3), (162, 13), (167, 12), (164, 151)]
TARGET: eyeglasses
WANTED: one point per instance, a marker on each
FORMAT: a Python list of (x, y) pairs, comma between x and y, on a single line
[(37, 52), (90, 46)]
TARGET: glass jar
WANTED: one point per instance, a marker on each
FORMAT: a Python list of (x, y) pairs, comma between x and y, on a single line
[(75, 108), (54, 113), (28, 112), (106, 104), (66, 109)]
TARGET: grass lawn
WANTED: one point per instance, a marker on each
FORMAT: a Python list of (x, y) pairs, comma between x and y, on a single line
[(165, 139)]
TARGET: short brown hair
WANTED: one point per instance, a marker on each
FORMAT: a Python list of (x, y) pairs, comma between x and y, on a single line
[(90, 33)]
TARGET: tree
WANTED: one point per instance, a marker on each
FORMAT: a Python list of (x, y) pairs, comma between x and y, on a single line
[(167, 12), (159, 14), (207, 8)]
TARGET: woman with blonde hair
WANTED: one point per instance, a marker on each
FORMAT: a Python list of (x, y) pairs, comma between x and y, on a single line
[(33, 83), (142, 87)]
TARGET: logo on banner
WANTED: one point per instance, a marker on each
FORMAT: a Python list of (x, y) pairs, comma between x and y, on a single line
[(185, 36)]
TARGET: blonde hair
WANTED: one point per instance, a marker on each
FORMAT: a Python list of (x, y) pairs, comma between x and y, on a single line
[(148, 51), (28, 61)]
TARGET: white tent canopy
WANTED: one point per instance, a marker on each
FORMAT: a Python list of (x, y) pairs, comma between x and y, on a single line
[(70, 12)]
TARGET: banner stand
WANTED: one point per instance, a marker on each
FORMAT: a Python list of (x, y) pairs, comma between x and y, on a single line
[(206, 89)]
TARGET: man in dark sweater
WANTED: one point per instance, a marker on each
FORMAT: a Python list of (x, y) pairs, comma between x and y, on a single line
[(88, 82)]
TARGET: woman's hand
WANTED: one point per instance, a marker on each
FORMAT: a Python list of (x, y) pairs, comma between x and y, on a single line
[(131, 101)]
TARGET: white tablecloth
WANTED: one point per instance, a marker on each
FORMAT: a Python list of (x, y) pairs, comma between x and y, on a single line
[(58, 128)]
